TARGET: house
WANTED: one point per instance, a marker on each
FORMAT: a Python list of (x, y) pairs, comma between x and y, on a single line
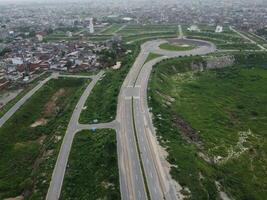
[(219, 29), (193, 28)]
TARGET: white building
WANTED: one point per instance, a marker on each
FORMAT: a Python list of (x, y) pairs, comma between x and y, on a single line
[(193, 28), (219, 29), (91, 26), (69, 34), (39, 37)]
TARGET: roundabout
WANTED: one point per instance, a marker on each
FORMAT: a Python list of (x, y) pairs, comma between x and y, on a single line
[(187, 47)]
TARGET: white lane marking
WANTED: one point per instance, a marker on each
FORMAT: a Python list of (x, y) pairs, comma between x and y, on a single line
[(151, 175), (144, 149), (139, 194)]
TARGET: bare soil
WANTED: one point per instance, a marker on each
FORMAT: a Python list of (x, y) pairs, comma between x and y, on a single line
[(51, 106), (39, 122)]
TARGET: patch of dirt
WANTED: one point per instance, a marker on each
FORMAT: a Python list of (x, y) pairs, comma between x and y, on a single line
[(223, 195), (57, 138), (16, 198), (107, 185), (51, 106), (168, 98), (41, 139), (39, 122), (187, 131), (236, 150), (48, 153)]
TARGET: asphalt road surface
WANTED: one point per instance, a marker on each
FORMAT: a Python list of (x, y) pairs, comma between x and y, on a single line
[(134, 119)]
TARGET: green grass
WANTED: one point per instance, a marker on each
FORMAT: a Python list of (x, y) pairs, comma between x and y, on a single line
[(225, 40), (28, 154), (92, 171), (85, 73), (113, 28), (102, 103), (152, 56), (255, 38), (28, 87), (149, 35), (176, 47), (219, 105), (143, 29)]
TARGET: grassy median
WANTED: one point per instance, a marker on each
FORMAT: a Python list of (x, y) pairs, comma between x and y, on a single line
[(92, 171), (213, 125), (101, 105), (30, 140), (176, 47)]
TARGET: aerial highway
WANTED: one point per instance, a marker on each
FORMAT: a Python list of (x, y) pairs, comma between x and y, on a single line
[(142, 170), (145, 167)]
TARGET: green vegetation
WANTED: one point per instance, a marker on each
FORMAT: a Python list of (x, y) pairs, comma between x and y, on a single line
[(29, 87), (113, 28), (255, 38), (137, 37), (85, 73), (262, 32), (213, 125), (146, 29), (225, 40), (102, 103), (176, 47), (31, 139), (92, 171), (152, 56)]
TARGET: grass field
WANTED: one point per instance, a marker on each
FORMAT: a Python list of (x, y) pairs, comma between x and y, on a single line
[(92, 171), (29, 86), (176, 47), (142, 29), (149, 35), (113, 28), (101, 105), (152, 56), (213, 125), (30, 140), (225, 40), (255, 38)]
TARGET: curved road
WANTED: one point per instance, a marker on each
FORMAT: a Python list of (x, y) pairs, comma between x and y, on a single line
[(136, 130)]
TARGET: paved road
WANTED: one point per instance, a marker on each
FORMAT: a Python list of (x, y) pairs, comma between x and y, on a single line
[(60, 167), (247, 38), (9, 113), (134, 118), (75, 76), (181, 34)]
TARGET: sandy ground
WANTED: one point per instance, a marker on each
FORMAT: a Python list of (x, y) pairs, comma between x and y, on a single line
[(8, 96), (39, 122), (16, 198)]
